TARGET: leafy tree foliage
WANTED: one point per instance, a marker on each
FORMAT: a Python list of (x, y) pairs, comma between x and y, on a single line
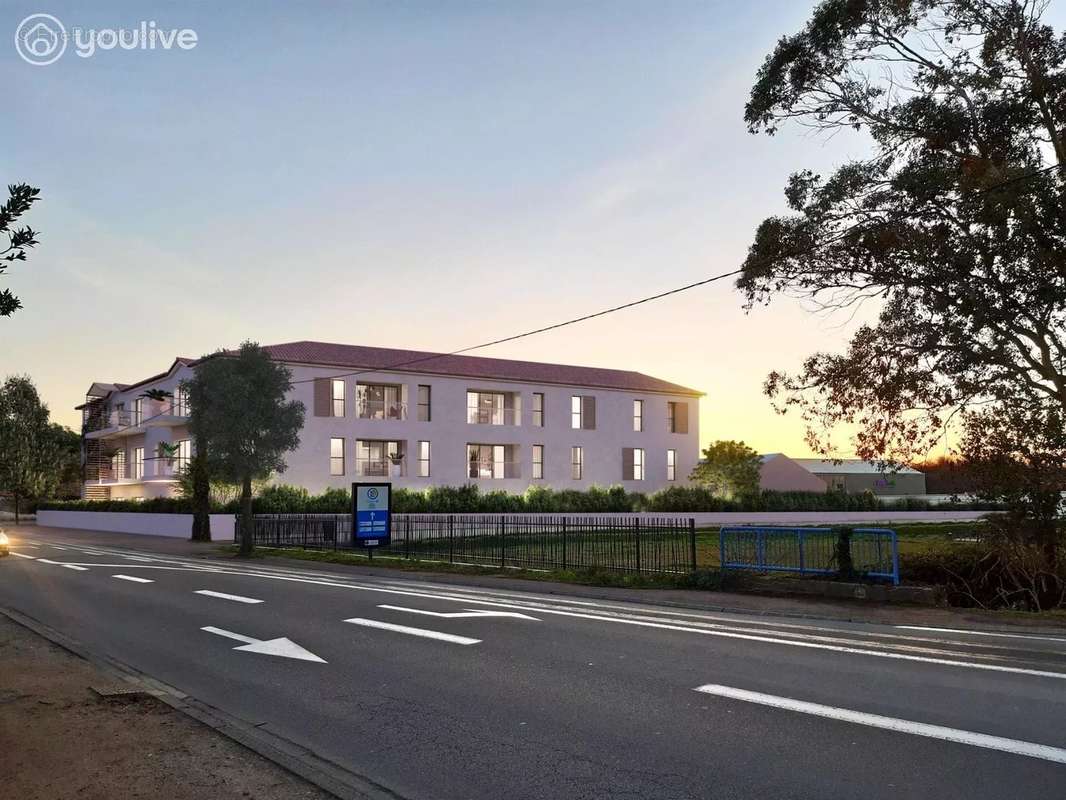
[(238, 406), (954, 224), (21, 197), (34, 453), (729, 468)]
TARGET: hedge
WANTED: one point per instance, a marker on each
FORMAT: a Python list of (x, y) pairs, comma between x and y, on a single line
[(538, 499)]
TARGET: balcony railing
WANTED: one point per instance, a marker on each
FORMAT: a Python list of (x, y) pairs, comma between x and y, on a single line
[(494, 470), (380, 468), (152, 411), (381, 409), (476, 415)]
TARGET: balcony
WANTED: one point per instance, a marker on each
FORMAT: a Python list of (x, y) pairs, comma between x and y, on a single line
[(381, 467), (381, 409), (479, 415), (494, 470), (126, 421)]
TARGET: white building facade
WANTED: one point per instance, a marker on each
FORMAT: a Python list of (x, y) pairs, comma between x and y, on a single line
[(417, 420)]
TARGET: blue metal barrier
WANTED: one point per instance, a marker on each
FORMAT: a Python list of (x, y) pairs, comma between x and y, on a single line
[(809, 551)]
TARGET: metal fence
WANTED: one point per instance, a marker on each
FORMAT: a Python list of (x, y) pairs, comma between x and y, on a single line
[(630, 544), (874, 552)]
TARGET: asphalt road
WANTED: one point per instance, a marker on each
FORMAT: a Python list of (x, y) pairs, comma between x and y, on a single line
[(445, 691)]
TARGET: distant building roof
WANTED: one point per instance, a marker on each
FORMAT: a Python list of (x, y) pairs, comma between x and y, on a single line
[(352, 356), (849, 466)]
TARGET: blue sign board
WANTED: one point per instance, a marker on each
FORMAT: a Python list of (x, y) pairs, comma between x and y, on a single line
[(371, 514)]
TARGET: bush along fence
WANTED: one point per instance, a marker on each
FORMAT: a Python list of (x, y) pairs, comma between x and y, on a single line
[(537, 500), (632, 545), (844, 552)]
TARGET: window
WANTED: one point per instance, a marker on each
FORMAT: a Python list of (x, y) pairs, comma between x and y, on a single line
[(638, 415), (677, 417), (638, 464), (379, 458), (538, 462), (379, 401), (138, 463), (424, 412), (423, 459), (671, 465), (582, 412), (577, 463), (118, 465), (538, 409), (181, 463), (336, 456), (137, 409), (490, 408), (491, 461), (180, 402), (338, 399)]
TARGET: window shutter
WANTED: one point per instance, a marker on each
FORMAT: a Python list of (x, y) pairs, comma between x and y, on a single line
[(588, 413), (627, 463), (323, 398), (681, 418)]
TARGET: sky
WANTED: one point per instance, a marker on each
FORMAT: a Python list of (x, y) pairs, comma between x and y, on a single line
[(423, 175)]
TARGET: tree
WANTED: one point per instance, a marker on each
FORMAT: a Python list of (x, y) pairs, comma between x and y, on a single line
[(954, 224), (67, 472), (729, 468), (30, 457), (237, 404), (21, 197)]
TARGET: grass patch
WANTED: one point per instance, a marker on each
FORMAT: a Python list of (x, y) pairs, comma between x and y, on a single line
[(702, 579)]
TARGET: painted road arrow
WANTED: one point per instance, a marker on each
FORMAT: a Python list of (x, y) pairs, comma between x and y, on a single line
[(468, 613), (286, 648)]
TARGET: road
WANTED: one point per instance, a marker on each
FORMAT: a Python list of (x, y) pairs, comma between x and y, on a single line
[(449, 691)]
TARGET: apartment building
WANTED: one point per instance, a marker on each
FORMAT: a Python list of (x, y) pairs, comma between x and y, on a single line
[(417, 419)]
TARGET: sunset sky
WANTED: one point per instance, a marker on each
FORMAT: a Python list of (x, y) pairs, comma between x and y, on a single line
[(424, 176)]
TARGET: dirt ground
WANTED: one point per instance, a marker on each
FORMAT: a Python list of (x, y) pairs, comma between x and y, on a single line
[(59, 739)]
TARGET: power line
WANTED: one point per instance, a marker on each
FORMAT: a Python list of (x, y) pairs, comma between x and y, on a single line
[(650, 298)]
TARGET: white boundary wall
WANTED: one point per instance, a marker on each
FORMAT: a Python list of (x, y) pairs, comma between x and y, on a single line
[(180, 525), (175, 525)]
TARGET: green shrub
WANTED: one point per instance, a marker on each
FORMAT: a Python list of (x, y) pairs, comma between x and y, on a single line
[(469, 499)]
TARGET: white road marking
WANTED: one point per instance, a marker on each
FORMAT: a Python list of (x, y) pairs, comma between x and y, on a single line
[(74, 567), (461, 614), (388, 626), (56, 547), (132, 578), (285, 648), (650, 622), (222, 595), (46, 561), (138, 558), (983, 633), (1014, 746), (23, 555)]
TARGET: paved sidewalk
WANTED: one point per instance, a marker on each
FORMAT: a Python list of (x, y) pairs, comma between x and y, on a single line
[(791, 606), (59, 738)]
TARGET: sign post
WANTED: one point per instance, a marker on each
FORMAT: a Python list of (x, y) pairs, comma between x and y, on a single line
[(371, 515)]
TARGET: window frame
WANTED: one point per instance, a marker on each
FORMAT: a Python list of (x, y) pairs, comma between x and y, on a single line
[(638, 415), (671, 464), (138, 463), (577, 462), (425, 409), (333, 459), (426, 448), (537, 471), (334, 384), (576, 412), (538, 410), (639, 462)]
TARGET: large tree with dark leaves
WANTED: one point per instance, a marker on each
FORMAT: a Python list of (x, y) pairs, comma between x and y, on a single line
[(21, 197), (955, 223)]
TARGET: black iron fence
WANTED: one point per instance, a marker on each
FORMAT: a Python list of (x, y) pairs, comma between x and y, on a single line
[(549, 542)]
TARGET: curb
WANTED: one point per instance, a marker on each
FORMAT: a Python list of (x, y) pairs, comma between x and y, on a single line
[(326, 775)]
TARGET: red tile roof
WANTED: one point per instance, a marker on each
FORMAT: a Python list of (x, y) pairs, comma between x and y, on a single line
[(356, 357)]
